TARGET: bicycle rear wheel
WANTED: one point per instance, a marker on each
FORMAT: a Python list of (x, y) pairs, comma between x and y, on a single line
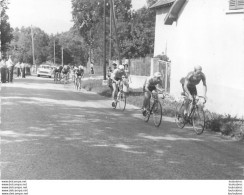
[(157, 113), (198, 120), (122, 101), (179, 115)]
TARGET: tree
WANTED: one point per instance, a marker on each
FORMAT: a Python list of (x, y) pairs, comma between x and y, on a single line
[(6, 30), (21, 45)]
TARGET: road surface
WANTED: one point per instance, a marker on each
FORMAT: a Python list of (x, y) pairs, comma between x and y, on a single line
[(50, 131)]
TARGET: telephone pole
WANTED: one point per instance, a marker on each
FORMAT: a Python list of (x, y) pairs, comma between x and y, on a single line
[(33, 48), (104, 49)]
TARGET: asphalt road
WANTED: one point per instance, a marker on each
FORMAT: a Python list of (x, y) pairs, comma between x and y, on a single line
[(50, 131)]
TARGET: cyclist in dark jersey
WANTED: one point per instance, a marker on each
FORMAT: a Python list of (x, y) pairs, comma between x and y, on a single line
[(189, 84), (191, 80), (151, 83), (116, 77)]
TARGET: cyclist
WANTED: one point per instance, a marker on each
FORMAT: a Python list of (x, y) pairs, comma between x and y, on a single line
[(151, 83), (65, 72), (189, 83), (79, 71), (56, 72), (116, 78)]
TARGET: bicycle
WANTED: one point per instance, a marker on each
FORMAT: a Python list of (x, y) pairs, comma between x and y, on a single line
[(121, 96), (154, 108), (78, 82), (56, 77), (65, 78), (196, 118)]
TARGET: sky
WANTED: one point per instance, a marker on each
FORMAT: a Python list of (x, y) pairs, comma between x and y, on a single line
[(52, 16)]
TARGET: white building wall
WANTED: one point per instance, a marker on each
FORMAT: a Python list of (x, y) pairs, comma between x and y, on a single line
[(206, 35)]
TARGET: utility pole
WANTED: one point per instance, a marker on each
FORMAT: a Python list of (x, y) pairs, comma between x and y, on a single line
[(110, 36), (115, 29), (104, 54), (62, 56), (33, 49), (54, 52)]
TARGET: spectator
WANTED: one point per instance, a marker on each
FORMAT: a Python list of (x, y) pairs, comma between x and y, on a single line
[(92, 68), (3, 71), (17, 66), (10, 69), (22, 66), (127, 72)]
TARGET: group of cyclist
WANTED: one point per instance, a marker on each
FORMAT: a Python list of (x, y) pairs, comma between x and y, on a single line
[(188, 84), (152, 83), (65, 71)]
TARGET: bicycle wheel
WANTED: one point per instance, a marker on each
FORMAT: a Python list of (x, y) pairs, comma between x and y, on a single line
[(198, 120), (179, 115), (122, 101), (157, 113), (55, 78), (148, 113)]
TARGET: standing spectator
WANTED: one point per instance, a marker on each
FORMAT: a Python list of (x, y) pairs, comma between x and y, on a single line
[(10, 66), (127, 72), (22, 66), (17, 66), (3, 71), (92, 68)]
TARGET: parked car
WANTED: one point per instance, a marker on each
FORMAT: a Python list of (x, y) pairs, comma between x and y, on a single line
[(45, 70)]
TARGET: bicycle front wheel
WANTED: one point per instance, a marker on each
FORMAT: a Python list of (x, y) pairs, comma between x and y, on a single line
[(148, 113), (157, 113), (198, 120), (179, 115), (122, 101)]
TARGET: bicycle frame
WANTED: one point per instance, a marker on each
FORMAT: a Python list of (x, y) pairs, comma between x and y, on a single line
[(196, 116)]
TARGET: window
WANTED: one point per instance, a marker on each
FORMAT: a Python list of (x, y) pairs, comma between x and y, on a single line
[(236, 4)]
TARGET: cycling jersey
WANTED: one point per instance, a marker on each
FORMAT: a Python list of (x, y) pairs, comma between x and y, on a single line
[(193, 80), (65, 70), (151, 83), (118, 74), (79, 72)]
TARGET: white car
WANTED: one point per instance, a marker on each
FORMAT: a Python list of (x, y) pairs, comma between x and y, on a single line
[(45, 70)]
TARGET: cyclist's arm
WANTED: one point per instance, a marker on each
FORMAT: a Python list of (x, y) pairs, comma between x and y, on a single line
[(204, 86), (159, 86)]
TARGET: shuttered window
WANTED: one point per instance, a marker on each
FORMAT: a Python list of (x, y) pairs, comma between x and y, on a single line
[(236, 4)]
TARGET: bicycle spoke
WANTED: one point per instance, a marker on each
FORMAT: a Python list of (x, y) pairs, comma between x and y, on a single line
[(157, 113), (198, 120), (148, 113), (179, 115), (122, 101)]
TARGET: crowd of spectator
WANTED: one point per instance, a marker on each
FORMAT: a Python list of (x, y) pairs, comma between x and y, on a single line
[(7, 68)]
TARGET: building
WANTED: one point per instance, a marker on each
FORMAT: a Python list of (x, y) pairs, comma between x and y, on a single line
[(210, 34)]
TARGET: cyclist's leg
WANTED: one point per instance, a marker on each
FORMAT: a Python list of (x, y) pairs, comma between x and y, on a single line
[(193, 92), (115, 89)]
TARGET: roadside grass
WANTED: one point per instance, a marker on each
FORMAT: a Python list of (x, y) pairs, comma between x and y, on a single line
[(225, 124)]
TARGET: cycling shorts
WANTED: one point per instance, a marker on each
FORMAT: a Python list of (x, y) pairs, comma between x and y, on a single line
[(150, 88), (192, 89)]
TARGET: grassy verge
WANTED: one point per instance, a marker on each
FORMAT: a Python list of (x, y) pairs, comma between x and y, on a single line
[(225, 124)]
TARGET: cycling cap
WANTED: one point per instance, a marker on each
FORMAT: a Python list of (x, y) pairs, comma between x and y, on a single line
[(157, 74), (121, 67)]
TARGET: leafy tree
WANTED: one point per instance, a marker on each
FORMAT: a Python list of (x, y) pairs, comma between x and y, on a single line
[(21, 45), (6, 30)]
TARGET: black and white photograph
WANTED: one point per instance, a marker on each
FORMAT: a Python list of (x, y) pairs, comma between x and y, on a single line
[(122, 97)]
